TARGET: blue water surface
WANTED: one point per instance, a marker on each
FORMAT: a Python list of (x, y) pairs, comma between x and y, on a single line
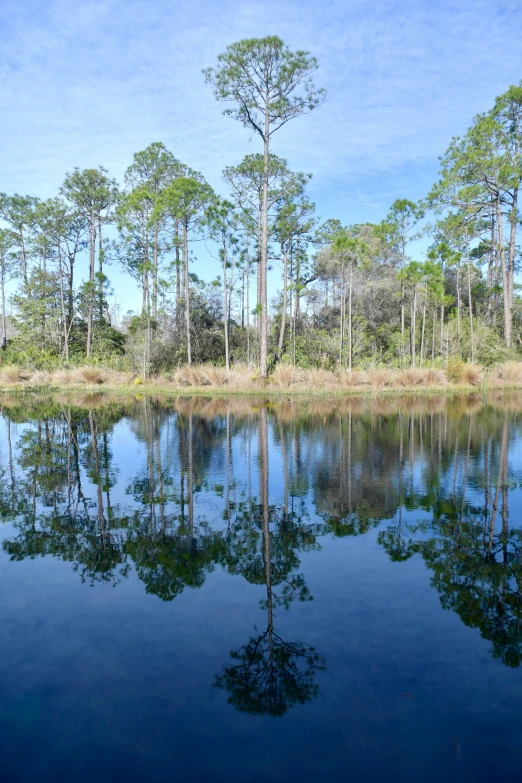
[(242, 590)]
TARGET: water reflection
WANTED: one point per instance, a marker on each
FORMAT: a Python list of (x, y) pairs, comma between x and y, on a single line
[(270, 674), (248, 487)]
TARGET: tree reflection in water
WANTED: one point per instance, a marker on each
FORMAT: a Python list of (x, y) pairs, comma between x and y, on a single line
[(269, 675), (435, 477)]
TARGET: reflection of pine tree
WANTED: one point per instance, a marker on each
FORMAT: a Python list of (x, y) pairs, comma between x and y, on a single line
[(171, 550), (51, 455), (476, 563), (168, 561), (271, 675)]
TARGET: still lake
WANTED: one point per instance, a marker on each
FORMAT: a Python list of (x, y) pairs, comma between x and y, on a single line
[(248, 590)]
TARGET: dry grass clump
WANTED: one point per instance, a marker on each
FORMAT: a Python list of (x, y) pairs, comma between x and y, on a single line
[(215, 376), (471, 374), (13, 374), (414, 377), (41, 378), (10, 374), (464, 372), (509, 372), (381, 378), (160, 380), (117, 378), (317, 378), (190, 376), (454, 370), (349, 379), (242, 376), (284, 375), (411, 377), (434, 376), (90, 375), (62, 377)]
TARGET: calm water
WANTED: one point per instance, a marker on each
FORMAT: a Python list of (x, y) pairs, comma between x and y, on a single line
[(206, 590)]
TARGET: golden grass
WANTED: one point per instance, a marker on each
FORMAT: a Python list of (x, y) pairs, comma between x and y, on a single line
[(434, 377), (215, 376), (382, 378), (62, 377), (13, 374), (350, 379), (285, 377), (40, 378), (509, 372), (89, 375), (471, 374), (411, 377), (189, 376)]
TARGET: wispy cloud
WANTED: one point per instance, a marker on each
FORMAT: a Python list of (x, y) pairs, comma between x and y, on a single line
[(92, 82)]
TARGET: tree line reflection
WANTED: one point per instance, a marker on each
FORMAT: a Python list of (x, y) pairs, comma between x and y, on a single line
[(250, 486)]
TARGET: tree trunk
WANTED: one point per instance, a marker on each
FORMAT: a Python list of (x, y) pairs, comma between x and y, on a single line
[(187, 292), (442, 330), (413, 327), (155, 274), (470, 303), (146, 313), (243, 299), (4, 317), (294, 321), (259, 254), (178, 278), (458, 306), (350, 336), (403, 258), (421, 357), (491, 277), (505, 276), (263, 351), (514, 216), (284, 305), (496, 278), (100, 269), (62, 303), (24, 256), (70, 288), (433, 337), (225, 308), (92, 242), (248, 308), (513, 220), (341, 326)]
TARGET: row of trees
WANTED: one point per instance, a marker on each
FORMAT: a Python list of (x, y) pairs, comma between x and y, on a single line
[(346, 294)]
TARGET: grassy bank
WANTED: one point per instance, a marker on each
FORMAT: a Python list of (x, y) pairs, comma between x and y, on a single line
[(285, 380)]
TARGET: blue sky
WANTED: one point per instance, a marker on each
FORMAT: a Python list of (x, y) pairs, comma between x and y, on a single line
[(90, 82)]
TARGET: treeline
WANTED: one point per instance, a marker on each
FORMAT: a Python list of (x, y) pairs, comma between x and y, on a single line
[(347, 295)]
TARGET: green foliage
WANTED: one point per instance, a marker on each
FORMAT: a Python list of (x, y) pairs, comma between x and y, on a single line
[(255, 67)]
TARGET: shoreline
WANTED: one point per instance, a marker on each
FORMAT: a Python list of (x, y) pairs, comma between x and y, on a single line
[(28, 388)]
